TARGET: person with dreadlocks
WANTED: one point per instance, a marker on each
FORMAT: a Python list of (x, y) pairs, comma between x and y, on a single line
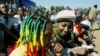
[(68, 43), (35, 36)]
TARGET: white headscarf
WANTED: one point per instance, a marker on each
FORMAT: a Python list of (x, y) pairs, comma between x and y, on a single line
[(67, 14)]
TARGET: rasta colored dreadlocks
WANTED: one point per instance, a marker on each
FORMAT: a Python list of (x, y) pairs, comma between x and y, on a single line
[(32, 34)]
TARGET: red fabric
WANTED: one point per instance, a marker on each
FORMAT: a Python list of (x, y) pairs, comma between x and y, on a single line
[(11, 48), (43, 53), (77, 29), (28, 49), (35, 51)]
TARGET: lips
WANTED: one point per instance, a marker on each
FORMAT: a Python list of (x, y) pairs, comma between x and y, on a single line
[(63, 34)]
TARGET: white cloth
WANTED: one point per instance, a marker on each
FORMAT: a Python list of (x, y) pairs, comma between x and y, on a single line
[(18, 21), (19, 51), (98, 19), (86, 22), (88, 46), (52, 18), (68, 14)]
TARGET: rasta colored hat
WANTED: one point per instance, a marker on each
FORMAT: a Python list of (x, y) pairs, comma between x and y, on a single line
[(65, 15)]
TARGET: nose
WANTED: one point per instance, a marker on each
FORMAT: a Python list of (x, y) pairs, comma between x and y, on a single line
[(66, 29)]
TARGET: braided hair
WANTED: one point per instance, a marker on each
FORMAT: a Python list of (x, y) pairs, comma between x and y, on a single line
[(32, 34)]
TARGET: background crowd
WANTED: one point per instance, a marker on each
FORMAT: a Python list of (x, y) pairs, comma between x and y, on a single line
[(11, 20)]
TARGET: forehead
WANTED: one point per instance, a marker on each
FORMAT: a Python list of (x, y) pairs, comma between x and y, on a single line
[(20, 8), (2, 5), (59, 23), (49, 28)]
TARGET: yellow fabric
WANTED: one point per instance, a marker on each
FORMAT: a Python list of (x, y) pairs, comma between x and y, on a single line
[(27, 32), (19, 51), (41, 39), (19, 42), (34, 38)]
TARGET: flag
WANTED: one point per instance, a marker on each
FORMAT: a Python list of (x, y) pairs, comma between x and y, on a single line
[(27, 3)]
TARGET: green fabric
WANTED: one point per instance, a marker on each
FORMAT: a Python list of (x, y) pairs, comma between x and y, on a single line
[(55, 29)]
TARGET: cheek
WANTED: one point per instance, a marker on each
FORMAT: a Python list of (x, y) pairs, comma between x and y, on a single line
[(47, 43), (19, 12), (82, 29), (2, 10), (85, 37), (60, 28)]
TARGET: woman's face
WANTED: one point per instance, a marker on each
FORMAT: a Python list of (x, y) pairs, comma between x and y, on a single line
[(64, 28)]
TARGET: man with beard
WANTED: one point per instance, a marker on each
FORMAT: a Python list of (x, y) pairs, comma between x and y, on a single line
[(68, 43)]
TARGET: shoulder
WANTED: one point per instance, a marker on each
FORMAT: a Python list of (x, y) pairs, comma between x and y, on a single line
[(2, 20), (16, 16)]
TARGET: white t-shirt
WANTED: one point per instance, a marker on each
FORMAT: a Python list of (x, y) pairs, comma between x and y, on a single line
[(18, 21)]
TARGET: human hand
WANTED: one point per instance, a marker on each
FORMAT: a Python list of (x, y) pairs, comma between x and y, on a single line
[(58, 48)]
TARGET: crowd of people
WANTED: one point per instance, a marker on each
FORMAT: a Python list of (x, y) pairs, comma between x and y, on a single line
[(39, 33)]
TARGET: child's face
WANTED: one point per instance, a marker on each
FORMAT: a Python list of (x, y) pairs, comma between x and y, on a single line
[(64, 28), (82, 30), (48, 35), (85, 36)]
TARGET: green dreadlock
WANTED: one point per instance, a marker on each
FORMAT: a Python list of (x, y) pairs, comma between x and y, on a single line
[(29, 34)]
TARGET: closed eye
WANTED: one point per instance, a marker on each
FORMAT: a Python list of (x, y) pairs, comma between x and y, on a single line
[(64, 25)]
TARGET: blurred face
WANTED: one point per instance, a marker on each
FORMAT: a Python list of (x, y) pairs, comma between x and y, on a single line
[(3, 9), (20, 11), (83, 30), (10, 12), (86, 17), (48, 35), (85, 37), (64, 28)]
